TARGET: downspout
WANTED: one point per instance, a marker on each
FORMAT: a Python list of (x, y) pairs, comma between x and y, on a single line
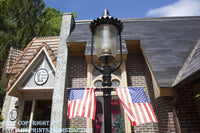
[(175, 117)]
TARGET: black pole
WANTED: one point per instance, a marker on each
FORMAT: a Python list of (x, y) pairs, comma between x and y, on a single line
[(107, 95), (107, 110)]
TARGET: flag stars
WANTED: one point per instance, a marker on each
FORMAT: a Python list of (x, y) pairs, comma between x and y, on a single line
[(138, 95), (76, 93)]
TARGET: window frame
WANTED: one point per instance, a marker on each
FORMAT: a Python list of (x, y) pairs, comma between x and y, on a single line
[(123, 83)]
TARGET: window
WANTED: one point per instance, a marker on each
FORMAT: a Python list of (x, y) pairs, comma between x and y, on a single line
[(120, 123), (35, 111), (116, 112), (42, 113), (26, 113)]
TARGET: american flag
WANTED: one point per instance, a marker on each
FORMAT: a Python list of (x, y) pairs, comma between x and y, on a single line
[(136, 105), (81, 102)]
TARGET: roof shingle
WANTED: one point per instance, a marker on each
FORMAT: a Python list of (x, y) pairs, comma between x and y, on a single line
[(51, 45), (167, 42), (29, 53)]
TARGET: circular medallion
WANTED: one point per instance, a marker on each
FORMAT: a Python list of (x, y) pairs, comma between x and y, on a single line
[(13, 115), (41, 77)]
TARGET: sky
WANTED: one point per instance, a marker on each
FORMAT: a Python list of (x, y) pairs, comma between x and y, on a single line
[(92, 9)]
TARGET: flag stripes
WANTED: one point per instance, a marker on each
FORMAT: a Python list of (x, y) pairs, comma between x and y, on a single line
[(81, 102), (138, 111)]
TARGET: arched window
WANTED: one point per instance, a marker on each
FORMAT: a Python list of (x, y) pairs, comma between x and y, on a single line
[(117, 112), (120, 121)]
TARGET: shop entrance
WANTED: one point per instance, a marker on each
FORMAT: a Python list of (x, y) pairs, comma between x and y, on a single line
[(42, 114), (36, 116)]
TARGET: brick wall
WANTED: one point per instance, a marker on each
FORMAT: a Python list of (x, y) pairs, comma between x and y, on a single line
[(187, 110), (77, 77), (77, 71), (138, 75)]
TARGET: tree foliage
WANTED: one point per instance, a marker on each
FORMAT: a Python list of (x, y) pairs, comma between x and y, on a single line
[(51, 22), (1, 117), (22, 20)]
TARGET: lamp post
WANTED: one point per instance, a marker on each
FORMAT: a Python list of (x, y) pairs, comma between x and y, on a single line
[(107, 33)]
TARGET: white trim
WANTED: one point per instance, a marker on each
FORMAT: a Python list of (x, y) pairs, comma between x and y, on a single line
[(30, 66), (36, 88), (49, 58)]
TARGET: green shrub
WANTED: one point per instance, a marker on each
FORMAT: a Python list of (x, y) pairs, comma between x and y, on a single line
[(1, 117)]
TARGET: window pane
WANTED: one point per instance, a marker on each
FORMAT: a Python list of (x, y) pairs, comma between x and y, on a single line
[(98, 83), (26, 113), (117, 115), (115, 83), (42, 113)]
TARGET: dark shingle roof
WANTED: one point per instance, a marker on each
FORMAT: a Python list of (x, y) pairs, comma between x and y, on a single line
[(194, 64), (167, 42)]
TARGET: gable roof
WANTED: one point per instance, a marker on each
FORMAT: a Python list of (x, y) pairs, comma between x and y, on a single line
[(31, 49), (166, 42), (49, 43)]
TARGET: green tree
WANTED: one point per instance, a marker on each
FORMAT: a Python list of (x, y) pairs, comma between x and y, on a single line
[(51, 22), (25, 17), (20, 22), (2, 95), (1, 117)]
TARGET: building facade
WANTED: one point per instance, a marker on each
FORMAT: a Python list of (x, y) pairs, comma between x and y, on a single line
[(162, 55)]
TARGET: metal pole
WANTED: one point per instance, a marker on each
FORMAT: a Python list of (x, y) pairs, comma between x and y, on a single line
[(107, 110), (107, 96)]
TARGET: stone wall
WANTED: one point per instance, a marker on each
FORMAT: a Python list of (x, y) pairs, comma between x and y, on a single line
[(9, 105)]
